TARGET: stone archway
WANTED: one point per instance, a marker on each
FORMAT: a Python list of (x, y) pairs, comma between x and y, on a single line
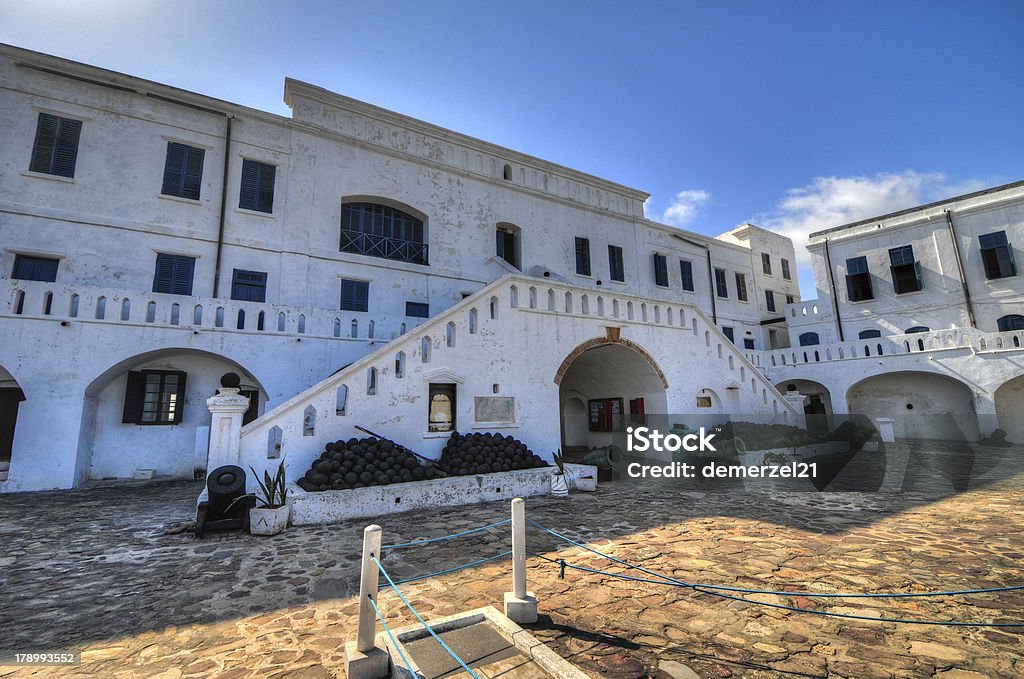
[(113, 445), (923, 405), (1009, 400), (606, 385), (817, 402)]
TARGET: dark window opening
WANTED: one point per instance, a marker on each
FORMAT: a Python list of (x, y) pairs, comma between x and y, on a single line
[(582, 256), (790, 299), (728, 331), (766, 263), (769, 300), (254, 405), (869, 334), (506, 173), (906, 273), (257, 192), (417, 310), (1010, 322), (997, 255), (154, 397), (741, 287), (56, 146), (249, 286), (808, 339), (660, 270), (29, 268), (617, 271), (785, 269), (637, 411), (686, 273), (183, 171), (748, 343), (916, 328), (858, 280), (506, 245), (174, 274), (383, 231), (355, 295)]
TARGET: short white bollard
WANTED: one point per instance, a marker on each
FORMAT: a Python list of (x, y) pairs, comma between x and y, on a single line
[(363, 658), (520, 605), (885, 429)]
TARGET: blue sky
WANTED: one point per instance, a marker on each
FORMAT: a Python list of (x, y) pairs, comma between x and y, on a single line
[(797, 116)]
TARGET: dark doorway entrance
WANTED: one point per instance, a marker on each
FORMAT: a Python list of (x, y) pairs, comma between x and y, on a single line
[(9, 400)]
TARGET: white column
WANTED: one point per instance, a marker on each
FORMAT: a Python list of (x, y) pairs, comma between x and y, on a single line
[(796, 401), (227, 408)]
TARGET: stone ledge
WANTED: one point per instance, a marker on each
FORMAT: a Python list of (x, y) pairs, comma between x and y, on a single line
[(332, 506)]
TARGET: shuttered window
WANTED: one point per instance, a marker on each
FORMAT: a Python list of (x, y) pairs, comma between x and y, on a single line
[(785, 269), (997, 255), (741, 287), (766, 263), (355, 295), (686, 273), (769, 300), (56, 146), (154, 397), (661, 271), (249, 286), (721, 284), (174, 274), (616, 269), (257, 191), (583, 256), (858, 280), (906, 272), (35, 268), (183, 171)]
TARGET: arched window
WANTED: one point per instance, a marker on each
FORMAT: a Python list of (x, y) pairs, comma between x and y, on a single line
[(917, 328), (808, 339), (869, 334), (382, 231), (1010, 322)]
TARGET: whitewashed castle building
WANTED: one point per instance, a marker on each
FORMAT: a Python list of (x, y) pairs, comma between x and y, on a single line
[(358, 267)]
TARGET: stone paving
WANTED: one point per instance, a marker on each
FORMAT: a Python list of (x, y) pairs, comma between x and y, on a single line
[(109, 572)]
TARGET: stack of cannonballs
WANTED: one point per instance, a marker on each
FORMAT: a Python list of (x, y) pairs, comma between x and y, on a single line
[(360, 463), (485, 453)]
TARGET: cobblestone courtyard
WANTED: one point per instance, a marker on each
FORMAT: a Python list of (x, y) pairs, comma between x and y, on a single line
[(108, 572)]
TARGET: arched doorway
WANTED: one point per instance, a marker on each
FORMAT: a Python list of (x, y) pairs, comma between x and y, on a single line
[(604, 387), (11, 397), (817, 402), (922, 405), (149, 412), (1009, 400)]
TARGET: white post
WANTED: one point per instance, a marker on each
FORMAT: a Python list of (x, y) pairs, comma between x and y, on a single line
[(796, 401), (520, 604), (368, 578), (226, 410), (518, 548), (363, 658)]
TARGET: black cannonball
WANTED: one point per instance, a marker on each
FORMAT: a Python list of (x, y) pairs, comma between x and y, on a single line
[(351, 477)]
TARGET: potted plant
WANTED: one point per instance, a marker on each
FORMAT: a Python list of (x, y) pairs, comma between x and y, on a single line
[(271, 516), (559, 480)]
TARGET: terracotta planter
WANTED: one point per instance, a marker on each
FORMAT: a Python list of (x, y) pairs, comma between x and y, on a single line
[(268, 521)]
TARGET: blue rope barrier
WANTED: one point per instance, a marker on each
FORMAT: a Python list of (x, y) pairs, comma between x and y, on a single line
[(422, 621), (820, 595), (667, 580), (456, 569), (416, 543), (391, 636)]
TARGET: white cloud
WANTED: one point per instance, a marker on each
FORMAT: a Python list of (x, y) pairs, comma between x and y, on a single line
[(833, 201), (684, 206)]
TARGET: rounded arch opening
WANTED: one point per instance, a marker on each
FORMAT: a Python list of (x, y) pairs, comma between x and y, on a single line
[(1009, 402), (923, 405)]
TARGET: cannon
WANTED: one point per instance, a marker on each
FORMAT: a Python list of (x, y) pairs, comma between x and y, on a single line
[(227, 505)]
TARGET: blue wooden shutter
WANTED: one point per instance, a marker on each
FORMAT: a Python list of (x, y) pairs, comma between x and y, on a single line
[(66, 151), (193, 173), (134, 397), (250, 184), (179, 401), (266, 187), (173, 169), (184, 268), (46, 139), (164, 276)]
